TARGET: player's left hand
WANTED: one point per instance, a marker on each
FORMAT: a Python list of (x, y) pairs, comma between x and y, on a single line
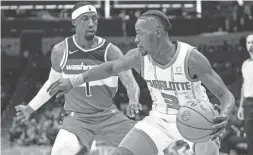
[(220, 122), (133, 108), (61, 87)]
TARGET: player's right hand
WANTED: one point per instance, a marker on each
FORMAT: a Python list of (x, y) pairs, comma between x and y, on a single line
[(240, 113), (60, 87), (133, 108), (23, 112)]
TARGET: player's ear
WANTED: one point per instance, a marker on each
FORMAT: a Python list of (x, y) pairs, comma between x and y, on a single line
[(159, 32), (74, 22)]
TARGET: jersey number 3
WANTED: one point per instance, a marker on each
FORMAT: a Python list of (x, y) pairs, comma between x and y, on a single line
[(87, 91), (172, 101)]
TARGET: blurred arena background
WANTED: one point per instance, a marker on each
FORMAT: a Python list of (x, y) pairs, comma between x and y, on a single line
[(29, 29)]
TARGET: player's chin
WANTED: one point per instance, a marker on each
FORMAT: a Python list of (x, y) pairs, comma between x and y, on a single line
[(89, 36), (143, 52)]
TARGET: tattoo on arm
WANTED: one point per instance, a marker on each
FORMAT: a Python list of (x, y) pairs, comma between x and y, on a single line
[(200, 66), (126, 77)]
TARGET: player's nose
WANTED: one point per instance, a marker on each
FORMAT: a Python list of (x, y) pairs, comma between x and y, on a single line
[(136, 40), (91, 23)]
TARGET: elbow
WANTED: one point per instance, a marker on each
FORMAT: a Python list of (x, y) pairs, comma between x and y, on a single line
[(231, 98), (118, 67), (112, 69)]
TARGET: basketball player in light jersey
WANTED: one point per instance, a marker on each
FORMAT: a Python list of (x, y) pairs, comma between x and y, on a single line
[(174, 72), (91, 112), (245, 111)]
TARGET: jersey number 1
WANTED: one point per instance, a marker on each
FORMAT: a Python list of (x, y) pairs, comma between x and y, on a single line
[(172, 101), (88, 89)]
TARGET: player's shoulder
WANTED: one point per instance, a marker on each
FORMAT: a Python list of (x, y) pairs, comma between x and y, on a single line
[(59, 46), (196, 56), (245, 62), (198, 62), (58, 53)]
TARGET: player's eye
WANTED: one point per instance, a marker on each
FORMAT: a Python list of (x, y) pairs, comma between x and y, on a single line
[(94, 18), (139, 34), (85, 19)]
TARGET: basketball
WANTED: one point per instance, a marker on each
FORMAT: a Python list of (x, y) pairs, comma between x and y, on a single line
[(195, 120)]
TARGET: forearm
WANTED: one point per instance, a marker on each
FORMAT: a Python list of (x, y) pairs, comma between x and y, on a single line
[(99, 72), (129, 82), (242, 97), (43, 96), (227, 102)]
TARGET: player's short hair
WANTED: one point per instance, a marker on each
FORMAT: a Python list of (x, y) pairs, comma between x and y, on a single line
[(160, 17)]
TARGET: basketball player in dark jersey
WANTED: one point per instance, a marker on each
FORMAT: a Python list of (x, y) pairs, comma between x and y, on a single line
[(91, 112)]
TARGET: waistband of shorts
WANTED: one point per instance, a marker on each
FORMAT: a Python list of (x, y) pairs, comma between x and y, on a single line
[(163, 110), (249, 98), (248, 101)]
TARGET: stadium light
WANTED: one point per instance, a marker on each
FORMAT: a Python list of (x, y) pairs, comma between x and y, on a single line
[(26, 7), (39, 6), (50, 6)]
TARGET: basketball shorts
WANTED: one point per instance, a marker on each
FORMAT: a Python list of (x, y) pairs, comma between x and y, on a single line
[(157, 132), (109, 126)]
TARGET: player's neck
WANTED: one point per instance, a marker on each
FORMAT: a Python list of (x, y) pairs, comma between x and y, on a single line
[(164, 53), (84, 43), (251, 56)]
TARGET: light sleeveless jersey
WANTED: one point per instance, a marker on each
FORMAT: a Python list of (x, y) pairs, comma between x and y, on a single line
[(170, 85), (90, 97)]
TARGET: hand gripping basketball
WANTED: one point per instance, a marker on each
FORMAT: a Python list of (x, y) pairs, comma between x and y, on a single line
[(199, 121), (220, 122)]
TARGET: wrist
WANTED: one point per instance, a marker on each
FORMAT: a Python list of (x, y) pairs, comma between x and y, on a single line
[(77, 80), (29, 109), (133, 101)]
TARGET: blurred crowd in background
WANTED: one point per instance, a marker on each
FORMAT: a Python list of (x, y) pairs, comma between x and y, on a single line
[(24, 81)]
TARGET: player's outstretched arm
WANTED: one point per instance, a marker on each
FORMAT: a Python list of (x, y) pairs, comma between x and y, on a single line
[(200, 66), (105, 70), (129, 82), (102, 71), (24, 111)]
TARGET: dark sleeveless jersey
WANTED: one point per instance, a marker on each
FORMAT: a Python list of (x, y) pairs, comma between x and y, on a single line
[(93, 96)]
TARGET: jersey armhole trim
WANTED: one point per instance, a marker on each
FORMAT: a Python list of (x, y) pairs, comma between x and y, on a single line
[(142, 66), (106, 51), (65, 56), (186, 66)]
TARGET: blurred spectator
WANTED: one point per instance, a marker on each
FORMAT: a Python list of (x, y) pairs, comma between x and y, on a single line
[(233, 138)]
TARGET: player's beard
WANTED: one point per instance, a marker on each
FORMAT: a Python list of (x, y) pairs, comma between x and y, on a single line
[(89, 36), (144, 53), (251, 50)]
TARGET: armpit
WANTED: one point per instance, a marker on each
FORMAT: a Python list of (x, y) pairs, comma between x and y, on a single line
[(134, 59)]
